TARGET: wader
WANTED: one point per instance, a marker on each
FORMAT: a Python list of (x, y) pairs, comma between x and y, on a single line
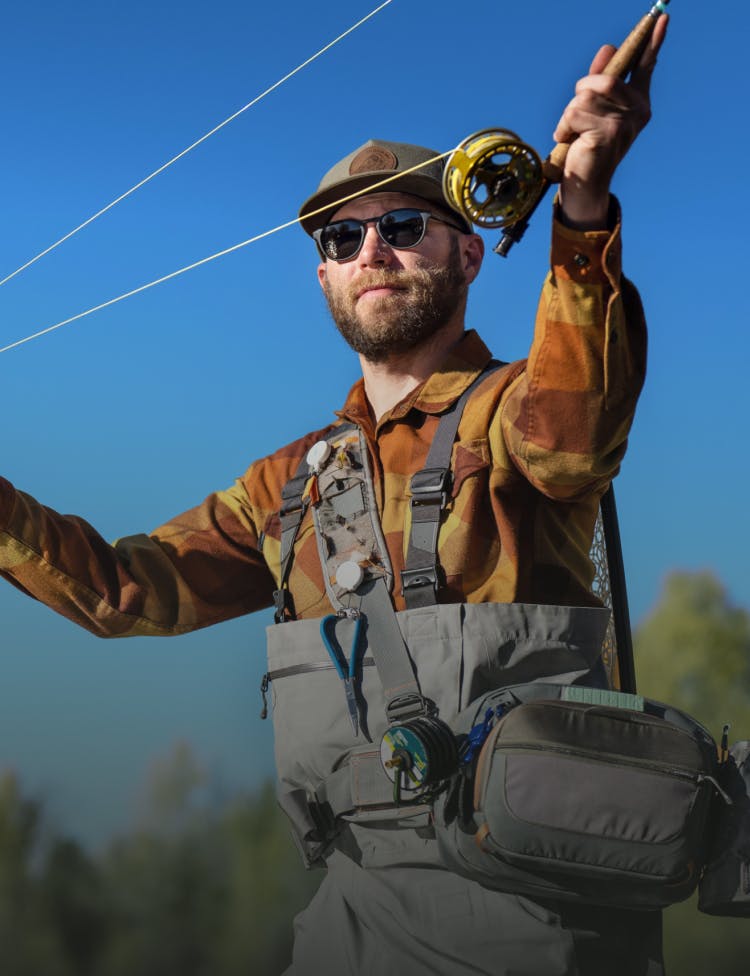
[(387, 904)]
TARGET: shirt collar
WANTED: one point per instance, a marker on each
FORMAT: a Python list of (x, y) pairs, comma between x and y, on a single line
[(458, 371)]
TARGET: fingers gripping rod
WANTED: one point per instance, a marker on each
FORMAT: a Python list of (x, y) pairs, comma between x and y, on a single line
[(496, 180), (622, 62)]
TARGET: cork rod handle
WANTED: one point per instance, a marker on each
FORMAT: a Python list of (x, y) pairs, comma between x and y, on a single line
[(623, 61)]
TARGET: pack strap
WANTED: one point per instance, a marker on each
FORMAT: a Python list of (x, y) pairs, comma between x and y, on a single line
[(429, 495)]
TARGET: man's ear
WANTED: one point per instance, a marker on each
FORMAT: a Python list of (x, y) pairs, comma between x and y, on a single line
[(322, 275), (472, 255)]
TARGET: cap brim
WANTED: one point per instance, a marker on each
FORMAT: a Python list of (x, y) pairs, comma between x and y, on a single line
[(318, 209)]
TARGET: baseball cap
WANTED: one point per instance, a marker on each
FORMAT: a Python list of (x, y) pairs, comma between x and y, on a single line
[(375, 161)]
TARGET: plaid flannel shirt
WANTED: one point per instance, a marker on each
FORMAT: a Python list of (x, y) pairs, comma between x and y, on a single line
[(538, 444)]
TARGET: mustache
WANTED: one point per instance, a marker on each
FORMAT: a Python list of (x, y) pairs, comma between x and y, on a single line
[(384, 278)]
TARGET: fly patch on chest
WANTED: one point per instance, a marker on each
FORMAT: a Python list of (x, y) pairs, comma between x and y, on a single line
[(345, 515)]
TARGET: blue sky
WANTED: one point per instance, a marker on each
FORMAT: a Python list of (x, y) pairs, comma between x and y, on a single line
[(138, 412)]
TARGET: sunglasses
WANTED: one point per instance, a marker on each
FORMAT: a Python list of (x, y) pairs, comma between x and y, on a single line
[(343, 239)]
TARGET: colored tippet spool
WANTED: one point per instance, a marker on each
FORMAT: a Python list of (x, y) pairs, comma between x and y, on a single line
[(418, 753), (493, 178)]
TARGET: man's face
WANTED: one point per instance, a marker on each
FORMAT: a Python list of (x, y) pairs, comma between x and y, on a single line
[(385, 300)]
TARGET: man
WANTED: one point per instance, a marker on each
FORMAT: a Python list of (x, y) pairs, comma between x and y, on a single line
[(537, 444)]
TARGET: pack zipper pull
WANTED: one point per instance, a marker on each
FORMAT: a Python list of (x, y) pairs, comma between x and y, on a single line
[(703, 778), (724, 748), (263, 689)]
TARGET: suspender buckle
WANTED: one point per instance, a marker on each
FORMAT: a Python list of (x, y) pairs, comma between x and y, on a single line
[(430, 487), (280, 603), (291, 495), (407, 706), (416, 579)]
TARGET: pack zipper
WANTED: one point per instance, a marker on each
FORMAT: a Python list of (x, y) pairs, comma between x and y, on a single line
[(618, 760)]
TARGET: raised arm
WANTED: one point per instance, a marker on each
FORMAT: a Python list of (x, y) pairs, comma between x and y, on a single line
[(566, 419)]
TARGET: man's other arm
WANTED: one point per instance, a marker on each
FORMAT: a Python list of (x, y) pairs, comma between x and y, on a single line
[(198, 569)]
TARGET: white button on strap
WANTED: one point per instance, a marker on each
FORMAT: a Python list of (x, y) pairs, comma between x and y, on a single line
[(318, 455), (349, 575)]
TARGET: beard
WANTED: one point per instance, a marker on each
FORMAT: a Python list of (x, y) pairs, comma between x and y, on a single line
[(426, 300)]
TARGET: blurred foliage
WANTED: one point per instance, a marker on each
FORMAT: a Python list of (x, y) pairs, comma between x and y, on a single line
[(208, 886), (693, 651), (199, 888)]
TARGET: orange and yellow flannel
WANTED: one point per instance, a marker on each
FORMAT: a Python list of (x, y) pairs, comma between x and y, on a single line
[(537, 445)]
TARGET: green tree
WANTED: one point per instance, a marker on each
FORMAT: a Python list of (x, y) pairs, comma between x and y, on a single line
[(201, 888), (76, 904), (167, 880), (29, 944), (268, 886), (693, 651)]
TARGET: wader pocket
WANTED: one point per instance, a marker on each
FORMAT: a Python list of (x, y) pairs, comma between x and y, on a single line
[(581, 800), (725, 886)]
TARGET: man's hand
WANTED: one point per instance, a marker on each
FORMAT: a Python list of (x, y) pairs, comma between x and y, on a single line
[(601, 123)]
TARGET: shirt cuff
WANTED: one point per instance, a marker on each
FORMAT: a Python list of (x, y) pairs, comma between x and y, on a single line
[(587, 256)]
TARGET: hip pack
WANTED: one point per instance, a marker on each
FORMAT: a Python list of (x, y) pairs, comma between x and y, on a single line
[(578, 794)]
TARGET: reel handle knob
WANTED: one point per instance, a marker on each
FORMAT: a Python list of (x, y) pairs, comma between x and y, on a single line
[(623, 61)]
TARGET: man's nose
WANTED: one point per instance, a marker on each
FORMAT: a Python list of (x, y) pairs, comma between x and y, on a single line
[(374, 250)]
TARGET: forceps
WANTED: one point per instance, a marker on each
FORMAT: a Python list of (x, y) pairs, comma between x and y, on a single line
[(347, 671)]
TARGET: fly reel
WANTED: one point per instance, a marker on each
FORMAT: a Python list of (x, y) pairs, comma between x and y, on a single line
[(493, 178)]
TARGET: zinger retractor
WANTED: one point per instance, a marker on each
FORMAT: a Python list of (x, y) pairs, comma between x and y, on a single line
[(493, 178), (417, 755)]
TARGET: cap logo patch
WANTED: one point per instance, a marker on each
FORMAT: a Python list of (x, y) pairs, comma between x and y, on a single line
[(373, 158)]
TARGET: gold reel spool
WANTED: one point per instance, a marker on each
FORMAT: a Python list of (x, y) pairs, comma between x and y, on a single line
[(493, 178)]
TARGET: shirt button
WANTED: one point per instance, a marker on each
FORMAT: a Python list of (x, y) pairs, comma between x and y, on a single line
[(581, 260)]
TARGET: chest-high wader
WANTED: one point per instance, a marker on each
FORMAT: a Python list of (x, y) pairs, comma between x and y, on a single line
[(457, 732), (429, 659)]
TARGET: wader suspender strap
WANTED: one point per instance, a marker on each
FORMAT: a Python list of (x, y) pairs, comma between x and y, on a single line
[(429, 494), (293, 509)]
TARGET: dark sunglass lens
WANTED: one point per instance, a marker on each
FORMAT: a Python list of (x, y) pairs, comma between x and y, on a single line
[(341, 239), (402, 228)]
